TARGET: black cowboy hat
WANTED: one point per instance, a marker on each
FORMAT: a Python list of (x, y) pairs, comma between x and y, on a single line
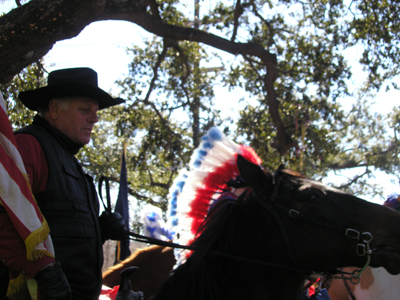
[(68, 83)]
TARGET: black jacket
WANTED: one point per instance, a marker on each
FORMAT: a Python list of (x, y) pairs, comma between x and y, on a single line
[(71, 208)]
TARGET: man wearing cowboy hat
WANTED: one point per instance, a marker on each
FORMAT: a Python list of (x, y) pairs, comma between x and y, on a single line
[(67, 111)]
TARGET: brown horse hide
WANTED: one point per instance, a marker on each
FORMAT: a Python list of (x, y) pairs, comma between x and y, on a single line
[(154, 263), (375, 284)]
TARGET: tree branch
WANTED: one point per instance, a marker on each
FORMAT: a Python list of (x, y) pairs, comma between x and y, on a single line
[(354, 180), (28, 32), (238, 10)]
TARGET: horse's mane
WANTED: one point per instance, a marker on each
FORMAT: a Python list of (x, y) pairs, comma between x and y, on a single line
[(194, 279), (200, 276), (217, 224)]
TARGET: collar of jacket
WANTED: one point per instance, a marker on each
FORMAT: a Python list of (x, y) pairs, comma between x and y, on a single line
[(64, 140)]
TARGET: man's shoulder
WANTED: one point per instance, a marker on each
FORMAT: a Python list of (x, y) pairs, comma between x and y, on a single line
[(35, 161), (30, 129), (27, 142), (32, 136)]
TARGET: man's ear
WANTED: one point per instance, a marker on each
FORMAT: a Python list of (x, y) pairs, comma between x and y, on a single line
[(54, 109)]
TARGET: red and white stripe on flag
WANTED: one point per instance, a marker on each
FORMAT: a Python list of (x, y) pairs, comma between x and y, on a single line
[(16, 195)]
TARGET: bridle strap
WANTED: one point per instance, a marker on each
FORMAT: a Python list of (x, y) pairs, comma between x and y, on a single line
[(270, 208), (362, 249), (295, 214)]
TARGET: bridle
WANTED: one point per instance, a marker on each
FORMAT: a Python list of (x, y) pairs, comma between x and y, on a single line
[(364, 238)]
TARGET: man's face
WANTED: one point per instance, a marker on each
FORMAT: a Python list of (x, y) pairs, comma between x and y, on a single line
[(77, 119)]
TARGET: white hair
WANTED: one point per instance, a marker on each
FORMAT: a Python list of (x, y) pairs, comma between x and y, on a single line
[(62, 103)]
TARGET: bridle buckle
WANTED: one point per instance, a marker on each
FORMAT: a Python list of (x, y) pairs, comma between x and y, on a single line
[(361, 250), (352, 233)]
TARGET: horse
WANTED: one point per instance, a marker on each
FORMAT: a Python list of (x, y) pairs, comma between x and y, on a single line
[(375, 283), (154, 264), (281, 230), (253, 234)]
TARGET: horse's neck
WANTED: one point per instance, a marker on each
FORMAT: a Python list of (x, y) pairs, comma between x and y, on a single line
[(221, 279)]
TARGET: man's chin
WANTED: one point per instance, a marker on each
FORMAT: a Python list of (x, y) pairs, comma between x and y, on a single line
[(82, 141), (85, 139)]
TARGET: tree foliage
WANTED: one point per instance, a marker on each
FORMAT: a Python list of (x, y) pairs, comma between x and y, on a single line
[(30, 78), (288, 58)]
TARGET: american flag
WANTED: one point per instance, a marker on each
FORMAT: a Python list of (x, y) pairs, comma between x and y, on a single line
[(16, 195)]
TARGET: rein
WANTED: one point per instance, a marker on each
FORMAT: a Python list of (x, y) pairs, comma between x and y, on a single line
[(134, 236), (146, 239)]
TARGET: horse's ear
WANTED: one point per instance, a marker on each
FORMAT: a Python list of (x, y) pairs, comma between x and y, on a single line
[(280, 168), (253, 175)]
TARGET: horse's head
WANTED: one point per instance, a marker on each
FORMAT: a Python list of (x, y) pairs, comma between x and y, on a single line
[(313, 227)]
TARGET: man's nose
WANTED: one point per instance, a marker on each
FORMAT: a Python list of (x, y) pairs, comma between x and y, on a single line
[(94, 118)]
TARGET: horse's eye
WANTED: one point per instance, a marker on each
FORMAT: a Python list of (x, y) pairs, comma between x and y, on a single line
[(312, 195), (315, 196)]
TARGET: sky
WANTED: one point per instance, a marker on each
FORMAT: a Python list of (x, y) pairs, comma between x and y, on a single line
[(102, 47)]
